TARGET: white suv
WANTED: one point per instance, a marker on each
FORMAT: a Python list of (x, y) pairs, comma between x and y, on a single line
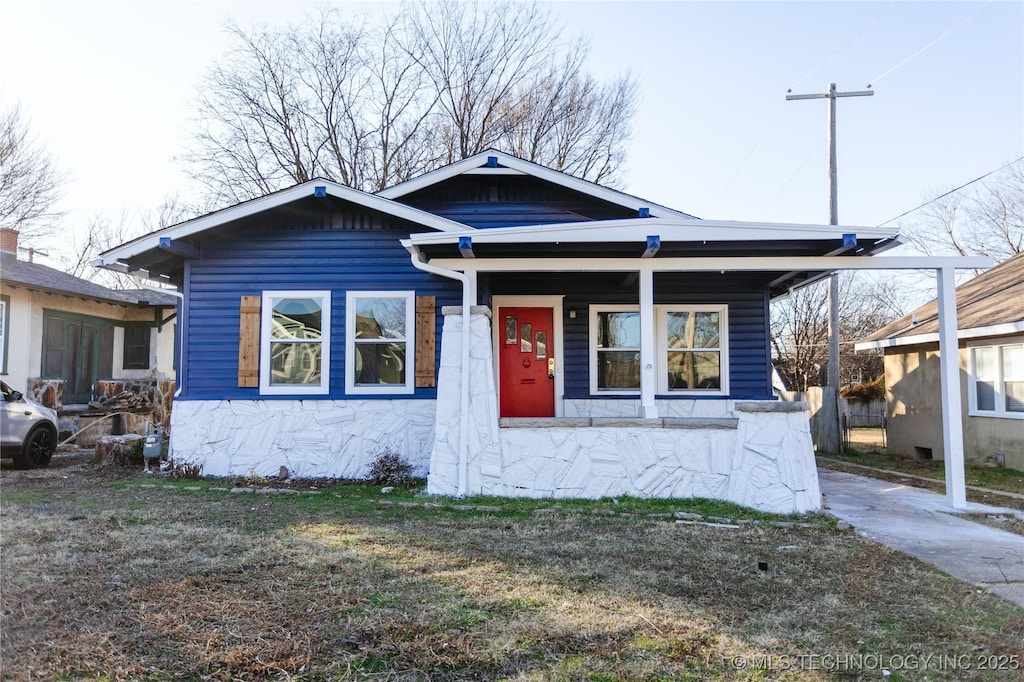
[(28, 430)]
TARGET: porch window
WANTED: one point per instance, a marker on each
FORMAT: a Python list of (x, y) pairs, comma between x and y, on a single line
[(997, 380), (380, 328), (691, 349), (295, 346)]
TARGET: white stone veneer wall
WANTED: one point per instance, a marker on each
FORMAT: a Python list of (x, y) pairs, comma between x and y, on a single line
[(313, 438), (754, 453), (483, 454)]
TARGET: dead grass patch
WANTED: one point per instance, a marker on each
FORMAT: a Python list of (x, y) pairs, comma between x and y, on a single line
[(106, 579)]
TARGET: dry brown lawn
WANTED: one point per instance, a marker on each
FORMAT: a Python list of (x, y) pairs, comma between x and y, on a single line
[(108, 575)]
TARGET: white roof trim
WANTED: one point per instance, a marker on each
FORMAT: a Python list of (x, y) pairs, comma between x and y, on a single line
[(280, 198), (471, 164), (637, 229), (1004, 329)]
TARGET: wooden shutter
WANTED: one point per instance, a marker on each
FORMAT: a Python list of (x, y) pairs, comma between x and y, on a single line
[(249, 343), (426, 329)]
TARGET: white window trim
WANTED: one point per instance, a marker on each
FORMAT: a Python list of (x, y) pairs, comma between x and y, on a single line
[(410, 345), (592, 343), (266, 316), (660, 327), (972, 388), (661, 334)]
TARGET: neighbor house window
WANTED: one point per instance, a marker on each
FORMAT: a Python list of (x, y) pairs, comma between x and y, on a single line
[(136, 347), (295, 345), (379, 331), (997, 380), (690, 356)]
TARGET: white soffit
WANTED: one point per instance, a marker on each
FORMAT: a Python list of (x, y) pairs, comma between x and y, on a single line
[(670, 230)]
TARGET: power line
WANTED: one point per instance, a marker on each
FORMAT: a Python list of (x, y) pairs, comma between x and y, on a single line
[(929, 45), (955, 189)]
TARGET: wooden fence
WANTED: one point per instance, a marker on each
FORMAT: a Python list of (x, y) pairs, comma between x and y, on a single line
[(825, 424)]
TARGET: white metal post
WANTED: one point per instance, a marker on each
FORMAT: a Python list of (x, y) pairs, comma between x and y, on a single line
[(648, 378), (949, 378)]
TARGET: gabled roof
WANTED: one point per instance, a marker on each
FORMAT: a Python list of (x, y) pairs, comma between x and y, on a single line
[(44, 278), (991, 304), (245, 209), (513, 165)]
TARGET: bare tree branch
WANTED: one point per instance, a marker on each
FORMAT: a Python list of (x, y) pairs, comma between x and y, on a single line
[(371, 103), (30, 182)]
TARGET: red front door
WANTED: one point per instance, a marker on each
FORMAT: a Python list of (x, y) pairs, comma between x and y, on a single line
[(525, 362)]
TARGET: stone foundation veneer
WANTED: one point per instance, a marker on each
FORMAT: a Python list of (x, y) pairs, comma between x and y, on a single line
[(754, 453), (313, 438)]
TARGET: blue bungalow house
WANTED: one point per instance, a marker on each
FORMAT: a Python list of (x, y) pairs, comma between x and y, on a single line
[(510, 329)]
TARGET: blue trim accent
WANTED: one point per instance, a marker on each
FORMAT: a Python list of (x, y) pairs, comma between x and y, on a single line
[(178, 248), (849, 240), (653, 244), (644, 212), (492, 161), (466, 247), (184, 316), (320, 191)]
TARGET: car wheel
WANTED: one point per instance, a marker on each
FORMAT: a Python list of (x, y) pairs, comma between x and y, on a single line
[(38, 448)]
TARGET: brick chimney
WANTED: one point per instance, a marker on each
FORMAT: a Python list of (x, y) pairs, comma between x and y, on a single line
[(9, 240)]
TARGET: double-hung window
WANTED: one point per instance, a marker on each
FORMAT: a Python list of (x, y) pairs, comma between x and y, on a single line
[(997, 380), (691, 354), (295, 333), (380, 330)]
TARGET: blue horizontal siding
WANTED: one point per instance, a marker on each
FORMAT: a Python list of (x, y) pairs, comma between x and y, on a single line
[(509, 200), (245, 260), (749, 359)]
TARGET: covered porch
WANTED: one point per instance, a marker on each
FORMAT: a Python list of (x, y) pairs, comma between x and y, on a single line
[(725, 440)]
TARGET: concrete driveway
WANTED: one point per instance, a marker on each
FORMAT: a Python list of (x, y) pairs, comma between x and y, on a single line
[(921, 523)]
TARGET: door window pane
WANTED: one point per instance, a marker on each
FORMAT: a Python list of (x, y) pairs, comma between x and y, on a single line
[(526, 337), (511, 330), (542, 345)]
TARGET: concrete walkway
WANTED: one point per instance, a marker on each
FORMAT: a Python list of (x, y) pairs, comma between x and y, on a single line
[(920, 523)]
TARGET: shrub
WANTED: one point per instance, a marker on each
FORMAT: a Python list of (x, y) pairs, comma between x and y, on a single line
[(865, 392), (390, 468)]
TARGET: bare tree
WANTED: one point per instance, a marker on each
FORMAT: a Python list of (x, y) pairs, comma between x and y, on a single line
[(986, 219), (799, 329), (104, 232), (371, 103), (30, 182)]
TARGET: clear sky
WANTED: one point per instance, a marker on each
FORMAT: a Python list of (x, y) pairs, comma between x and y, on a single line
[(110, 87)]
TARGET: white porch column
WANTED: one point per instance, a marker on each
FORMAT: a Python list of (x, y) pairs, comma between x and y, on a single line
[(648, 346), (949, 383)]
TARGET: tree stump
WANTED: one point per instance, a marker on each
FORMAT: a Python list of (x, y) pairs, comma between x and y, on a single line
[(118, 450)]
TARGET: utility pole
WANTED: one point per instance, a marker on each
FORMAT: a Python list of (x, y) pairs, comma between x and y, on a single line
[(833, 284)]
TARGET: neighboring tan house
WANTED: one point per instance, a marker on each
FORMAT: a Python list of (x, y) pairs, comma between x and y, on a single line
[(990, 314), (63, 338), (510, 329)]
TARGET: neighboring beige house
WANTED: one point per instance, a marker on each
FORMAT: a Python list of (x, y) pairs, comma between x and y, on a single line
[(990, 314), (64, 339)]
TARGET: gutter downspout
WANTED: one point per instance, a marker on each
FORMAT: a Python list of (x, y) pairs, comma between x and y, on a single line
[(181, 346), (468, 296)]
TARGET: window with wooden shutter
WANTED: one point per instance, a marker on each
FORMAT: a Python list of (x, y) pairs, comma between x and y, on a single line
[(426, 327), (249, 342)]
